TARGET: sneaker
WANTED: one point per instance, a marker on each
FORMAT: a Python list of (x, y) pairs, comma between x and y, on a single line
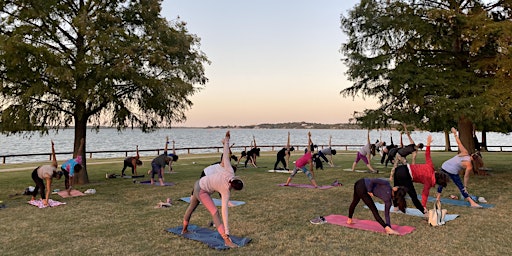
[(482, 200), (319, 220)]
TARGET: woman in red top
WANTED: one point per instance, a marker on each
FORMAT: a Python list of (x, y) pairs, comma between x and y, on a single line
[(425, 174)]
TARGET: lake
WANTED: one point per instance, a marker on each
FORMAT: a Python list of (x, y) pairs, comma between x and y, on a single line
[(109, 139)]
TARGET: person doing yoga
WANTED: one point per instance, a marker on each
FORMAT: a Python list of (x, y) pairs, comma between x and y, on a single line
[(462, 162), (222, 181), (45, 173), (364, 154), (425, 174), (366, 188), (72, 166), (132, 162), (300, 164), (283, 155)]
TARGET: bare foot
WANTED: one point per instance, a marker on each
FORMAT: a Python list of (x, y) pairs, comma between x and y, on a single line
[(228, 242), (349, 221), (390, 231), (184, 231), (45, 202)]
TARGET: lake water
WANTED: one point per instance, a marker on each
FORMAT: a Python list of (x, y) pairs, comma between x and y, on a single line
[(110, 139)]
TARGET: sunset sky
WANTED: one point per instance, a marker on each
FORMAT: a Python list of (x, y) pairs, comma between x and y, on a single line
[(271, 61)]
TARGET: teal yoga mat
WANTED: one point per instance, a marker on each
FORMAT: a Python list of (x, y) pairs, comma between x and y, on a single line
[(456, 202)]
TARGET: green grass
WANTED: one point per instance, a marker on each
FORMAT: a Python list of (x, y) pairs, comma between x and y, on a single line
[(120, 219)]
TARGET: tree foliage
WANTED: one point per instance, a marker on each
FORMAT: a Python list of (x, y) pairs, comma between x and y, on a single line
[(94, 62), (433, 63)]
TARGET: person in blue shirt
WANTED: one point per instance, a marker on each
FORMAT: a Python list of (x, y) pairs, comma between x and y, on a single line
[(72, 166)]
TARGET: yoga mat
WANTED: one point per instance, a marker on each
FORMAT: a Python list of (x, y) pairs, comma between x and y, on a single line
[(39, 203), (412, 212), (456, 202), (280, 171), (305, 186), (157, 183), (217, 201), (368, 225), (209, 237), (74, 192), (363, 171)]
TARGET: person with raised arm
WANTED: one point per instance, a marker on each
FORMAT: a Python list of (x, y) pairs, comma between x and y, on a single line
[(406, 175), (283, 155), (158, 165), (45, 173), (72, 166), (222, 181), (463, 161), (174, 157), (327, 152), (300, 164), (132, 162), (365, 154)]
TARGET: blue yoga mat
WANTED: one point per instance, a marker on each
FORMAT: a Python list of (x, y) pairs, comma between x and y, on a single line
[(216, 201), (207, 236), (456, 202), (413, 212)]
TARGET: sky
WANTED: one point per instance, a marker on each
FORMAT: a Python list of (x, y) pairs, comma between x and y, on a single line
[(272, 61)]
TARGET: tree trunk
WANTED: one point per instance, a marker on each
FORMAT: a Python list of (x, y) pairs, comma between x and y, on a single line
[(447, 146), (465, 127), (483, 142), (80, 132)]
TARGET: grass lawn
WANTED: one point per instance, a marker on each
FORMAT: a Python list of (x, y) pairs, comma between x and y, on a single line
[(121, 218)]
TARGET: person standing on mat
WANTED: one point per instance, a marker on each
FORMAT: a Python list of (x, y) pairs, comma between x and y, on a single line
[(411, 149), (425, 174), (365, 189), (45, 173), (327, 152), (222, 181), (387, 148), (461, 162), (132, 162), (174, 157), (365, 154), (158, 165), (72, 166), (283, 155), (300, 164), (393, 151)]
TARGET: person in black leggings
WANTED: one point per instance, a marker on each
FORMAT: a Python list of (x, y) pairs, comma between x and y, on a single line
[(366, 188)]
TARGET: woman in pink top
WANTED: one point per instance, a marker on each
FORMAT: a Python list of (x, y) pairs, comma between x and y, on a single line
[(222, 182), (425, 173), (300, 164)]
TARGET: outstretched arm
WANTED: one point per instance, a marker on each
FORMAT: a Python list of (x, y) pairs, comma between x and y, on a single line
[(173, 147), (368, 137), (226, 162), (166, 143), (54, 157), (411, 141), (462, 149)]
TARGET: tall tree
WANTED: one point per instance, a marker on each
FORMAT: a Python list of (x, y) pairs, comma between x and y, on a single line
[(433, 63), (94, 62)]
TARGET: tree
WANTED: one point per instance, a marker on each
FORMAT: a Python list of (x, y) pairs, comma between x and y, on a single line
[(91, 62), (433, 64)]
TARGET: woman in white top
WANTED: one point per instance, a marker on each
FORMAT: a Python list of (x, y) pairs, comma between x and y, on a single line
[(45, 173), (461, 162), (221, 181)]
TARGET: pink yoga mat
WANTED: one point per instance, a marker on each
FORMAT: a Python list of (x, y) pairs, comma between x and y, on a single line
[(305, 186), (369, 225), (39, 203), (74, 192)]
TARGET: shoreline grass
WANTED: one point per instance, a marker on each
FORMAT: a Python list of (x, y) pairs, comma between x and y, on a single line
[(121, 219)]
